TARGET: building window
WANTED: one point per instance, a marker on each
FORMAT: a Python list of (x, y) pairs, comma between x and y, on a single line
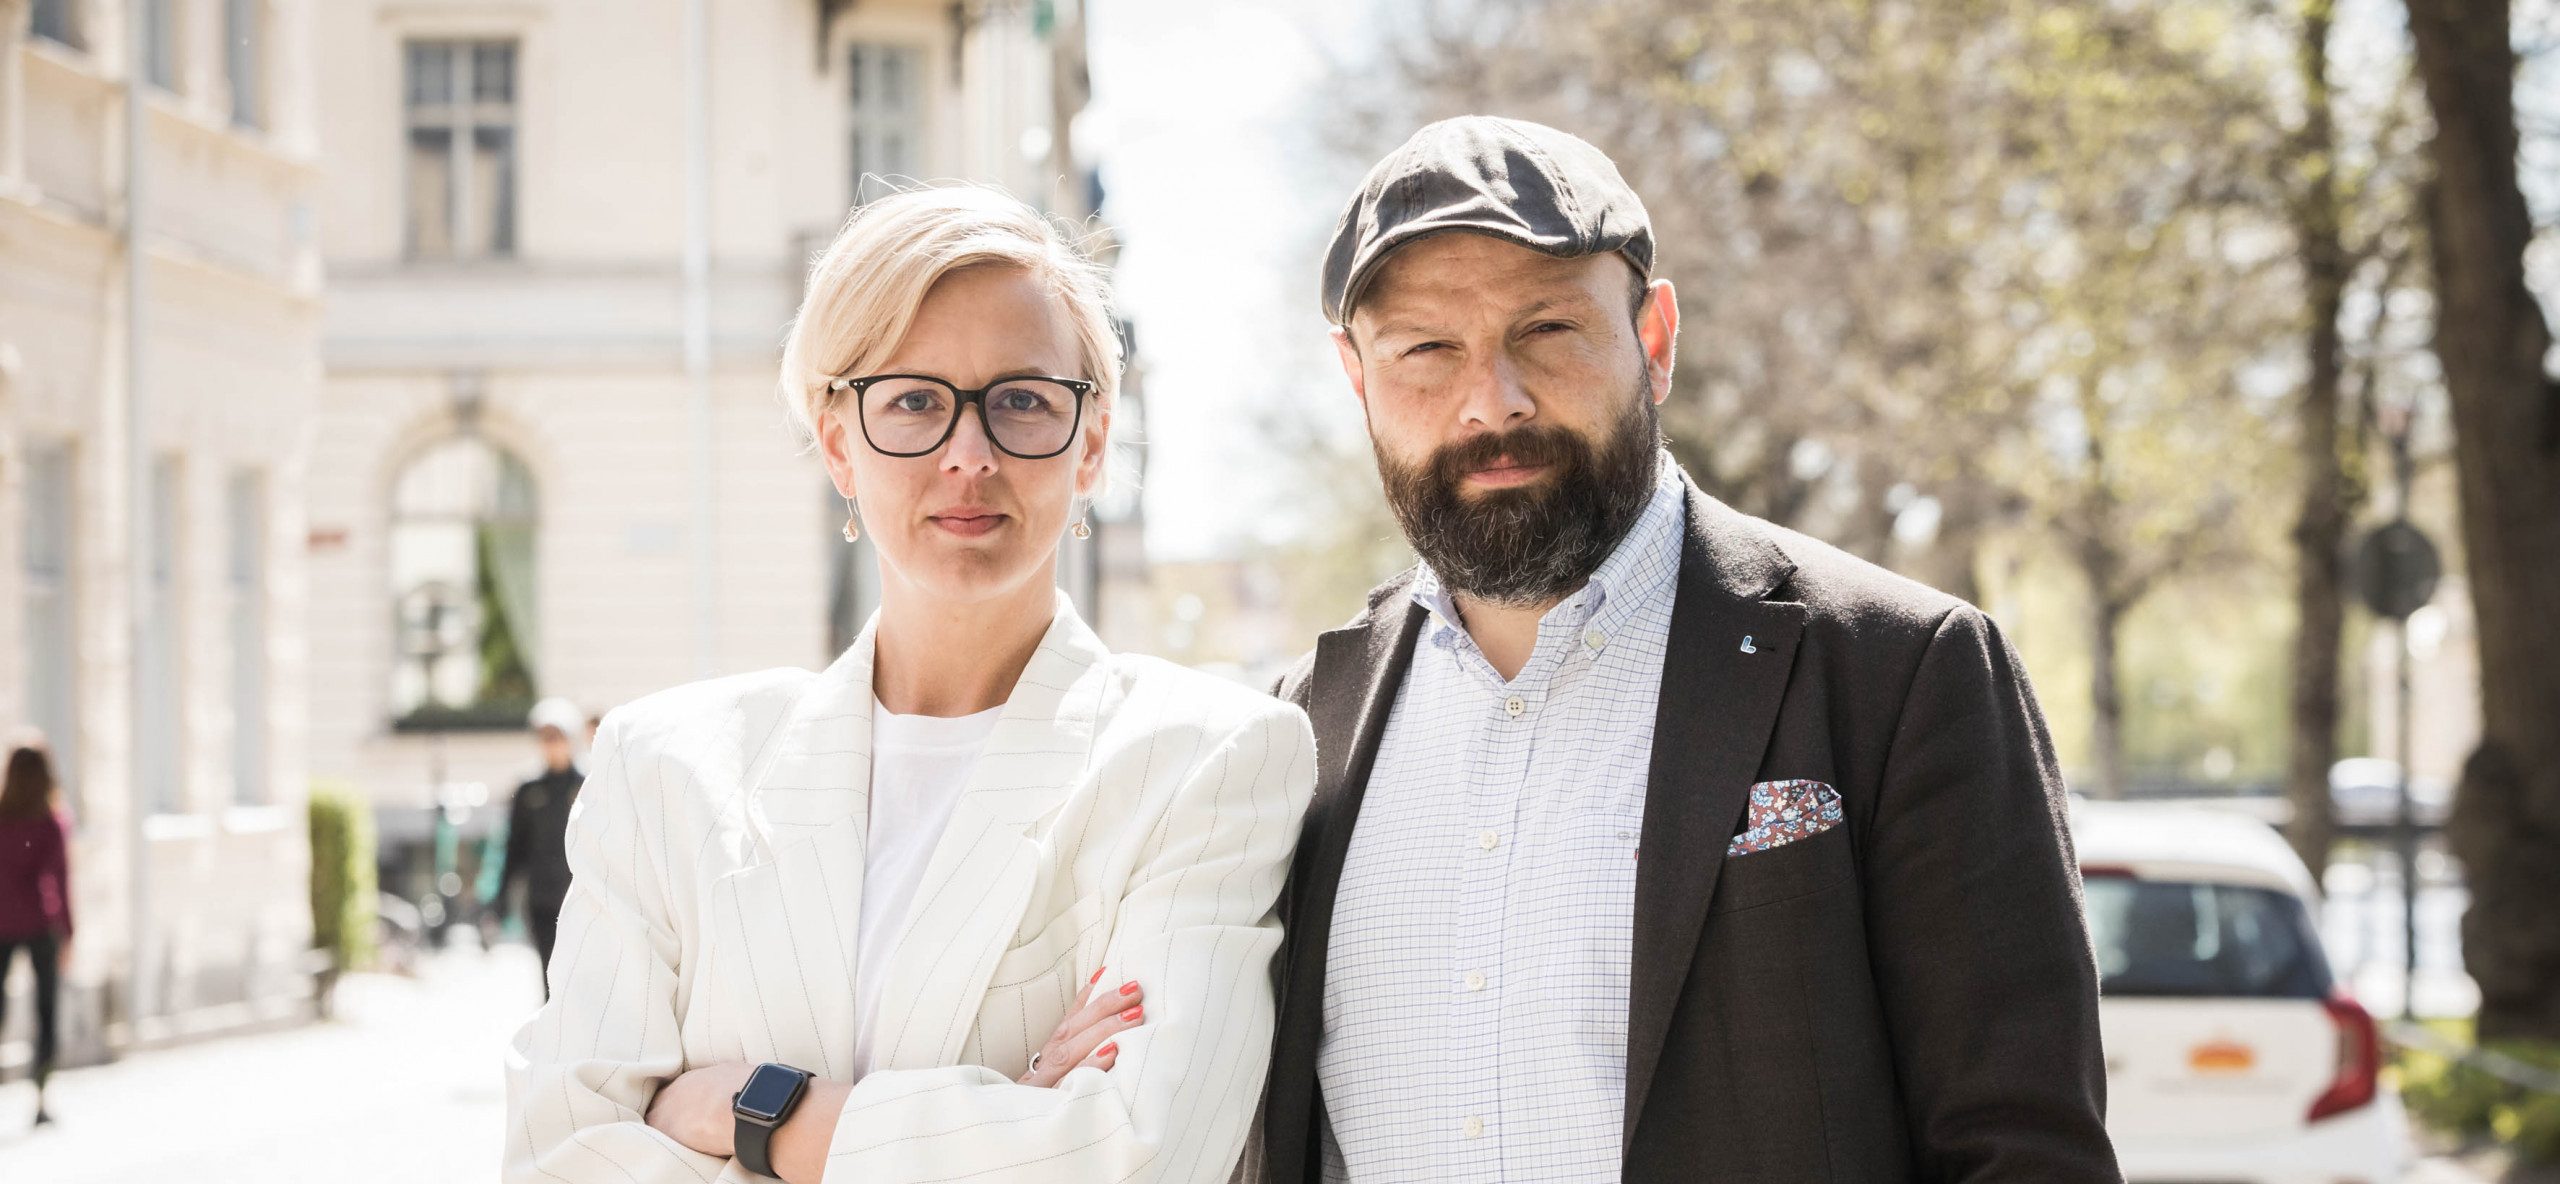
[(58, 21), (247, 588), (160, 44), (53, 668), (244, 58), (163, 733), (461, 105), (887, 116), (462, 584)]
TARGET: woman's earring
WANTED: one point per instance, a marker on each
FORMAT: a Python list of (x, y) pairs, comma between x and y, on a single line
[(1080, 530), (852, 522)]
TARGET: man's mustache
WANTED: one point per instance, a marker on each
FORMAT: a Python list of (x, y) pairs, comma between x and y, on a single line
[(1519, 446)]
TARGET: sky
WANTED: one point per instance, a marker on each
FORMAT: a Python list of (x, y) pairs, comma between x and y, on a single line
[(1206, 118)]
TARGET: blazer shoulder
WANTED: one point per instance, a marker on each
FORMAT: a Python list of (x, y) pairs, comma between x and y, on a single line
[(1385, 605), (1841, 590), (1217, 704), (713, 724), (1292, 683)]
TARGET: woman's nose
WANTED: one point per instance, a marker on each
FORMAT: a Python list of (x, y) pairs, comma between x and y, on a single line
[(969, 449)]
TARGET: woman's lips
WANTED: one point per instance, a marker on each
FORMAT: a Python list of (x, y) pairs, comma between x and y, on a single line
[(969, 523)]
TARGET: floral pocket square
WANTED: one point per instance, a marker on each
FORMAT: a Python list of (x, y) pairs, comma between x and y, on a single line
[(1783, 812)]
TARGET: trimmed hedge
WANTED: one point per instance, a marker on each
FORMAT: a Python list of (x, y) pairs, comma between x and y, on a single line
[(2460, 1100), (342, 877)]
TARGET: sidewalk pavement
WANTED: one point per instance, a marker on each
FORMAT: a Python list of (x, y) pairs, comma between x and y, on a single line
[(405, 1086)]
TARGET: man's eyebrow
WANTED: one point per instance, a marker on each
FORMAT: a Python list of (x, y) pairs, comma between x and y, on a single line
[(1562, 302), (1576, 301)]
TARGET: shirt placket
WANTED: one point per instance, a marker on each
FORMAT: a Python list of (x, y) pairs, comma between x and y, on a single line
[(1483, 971)]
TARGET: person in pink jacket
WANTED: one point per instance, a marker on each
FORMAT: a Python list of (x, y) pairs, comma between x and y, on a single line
[(35, 894)]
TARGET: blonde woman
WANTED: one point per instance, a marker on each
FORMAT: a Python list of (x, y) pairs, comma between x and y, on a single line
[(982, 900)]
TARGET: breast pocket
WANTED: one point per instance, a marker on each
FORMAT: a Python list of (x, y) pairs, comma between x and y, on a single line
[(1035, 982), (1052, 949), (1784, 872)]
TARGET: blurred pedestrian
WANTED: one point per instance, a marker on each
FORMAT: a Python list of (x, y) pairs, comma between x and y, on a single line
[(538, 823), (1654, 842), (35, 895)]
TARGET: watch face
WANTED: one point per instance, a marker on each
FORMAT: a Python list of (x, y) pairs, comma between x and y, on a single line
[(768, 1091)]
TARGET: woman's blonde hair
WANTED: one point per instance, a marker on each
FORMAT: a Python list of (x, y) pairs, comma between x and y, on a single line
[(865, 289)]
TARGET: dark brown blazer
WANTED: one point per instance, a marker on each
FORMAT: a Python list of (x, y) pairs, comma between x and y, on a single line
[(1909, 996)]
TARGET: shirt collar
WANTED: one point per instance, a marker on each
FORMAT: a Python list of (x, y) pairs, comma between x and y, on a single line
[(1638, 569)]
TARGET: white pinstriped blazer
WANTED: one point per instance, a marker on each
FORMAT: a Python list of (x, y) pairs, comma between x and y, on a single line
[(1125, 812)]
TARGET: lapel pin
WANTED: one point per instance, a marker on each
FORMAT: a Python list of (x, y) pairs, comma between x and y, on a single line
[(1746, 644)]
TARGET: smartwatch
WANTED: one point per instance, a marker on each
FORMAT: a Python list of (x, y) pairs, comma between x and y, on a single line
[(772, 1092)]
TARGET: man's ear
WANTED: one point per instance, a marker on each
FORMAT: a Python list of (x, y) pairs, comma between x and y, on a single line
[(1658, 330), (1349, 351)]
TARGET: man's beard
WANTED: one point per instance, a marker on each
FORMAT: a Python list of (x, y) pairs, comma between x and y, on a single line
[(1531, 546)]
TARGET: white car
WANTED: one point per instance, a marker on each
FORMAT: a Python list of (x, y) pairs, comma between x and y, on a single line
[(2232, 1053)]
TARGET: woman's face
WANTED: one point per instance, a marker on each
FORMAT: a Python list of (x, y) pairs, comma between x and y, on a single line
[(968, 523)]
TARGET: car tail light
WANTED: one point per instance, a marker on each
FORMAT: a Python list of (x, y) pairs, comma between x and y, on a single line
[(2359, 1071)]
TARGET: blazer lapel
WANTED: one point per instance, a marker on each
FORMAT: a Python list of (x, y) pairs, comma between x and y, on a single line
[(1723, 675), (796, 910), (1352, 690), (981, 874)]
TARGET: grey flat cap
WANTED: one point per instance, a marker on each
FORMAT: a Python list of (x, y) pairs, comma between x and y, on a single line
[(1524, 182)]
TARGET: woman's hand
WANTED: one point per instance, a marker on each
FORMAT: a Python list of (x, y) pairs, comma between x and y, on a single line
[(1089, 1034), (695, 1109)]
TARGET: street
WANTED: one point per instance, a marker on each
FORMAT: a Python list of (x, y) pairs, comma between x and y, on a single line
[(404, 1087)]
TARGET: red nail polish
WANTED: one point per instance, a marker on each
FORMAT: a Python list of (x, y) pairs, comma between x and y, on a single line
[(1130, 988), (1134, 1012), (1097, 975), (1108, 1049)]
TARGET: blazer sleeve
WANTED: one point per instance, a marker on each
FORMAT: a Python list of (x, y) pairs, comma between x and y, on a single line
[(1990, 988), (1196, 926), (581, 1073)]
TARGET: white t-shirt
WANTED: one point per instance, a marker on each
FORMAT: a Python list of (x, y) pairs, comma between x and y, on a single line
[(919, 767)]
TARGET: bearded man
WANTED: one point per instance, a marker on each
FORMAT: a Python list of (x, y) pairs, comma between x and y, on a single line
[(1651, 841)]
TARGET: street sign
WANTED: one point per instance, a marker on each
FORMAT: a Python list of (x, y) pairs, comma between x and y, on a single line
[(2396, 569)]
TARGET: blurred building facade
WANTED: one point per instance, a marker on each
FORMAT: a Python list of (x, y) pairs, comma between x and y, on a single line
[(533, 475), (198, 758)]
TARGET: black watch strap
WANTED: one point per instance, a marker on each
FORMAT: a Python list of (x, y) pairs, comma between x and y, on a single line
[(753, 1142)]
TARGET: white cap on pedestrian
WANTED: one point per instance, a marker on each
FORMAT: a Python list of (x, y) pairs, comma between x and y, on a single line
[(556, 712)]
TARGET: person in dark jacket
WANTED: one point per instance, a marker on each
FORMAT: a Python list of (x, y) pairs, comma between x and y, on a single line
[(35, 895), (538, 825), (1651, 841)]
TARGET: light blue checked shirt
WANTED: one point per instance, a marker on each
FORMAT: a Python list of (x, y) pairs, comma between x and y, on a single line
[(1475, 1003)]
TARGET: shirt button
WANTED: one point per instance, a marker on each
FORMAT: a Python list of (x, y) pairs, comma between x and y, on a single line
[(1475, 980), (1488, 840), (1595, 638), (1513, 706), (1473, 1126)]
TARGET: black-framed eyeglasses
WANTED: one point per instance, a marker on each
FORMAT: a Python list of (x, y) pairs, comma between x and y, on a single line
[(1032, 417)]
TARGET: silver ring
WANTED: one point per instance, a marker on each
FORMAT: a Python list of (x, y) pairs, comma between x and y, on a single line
[(1035, 1062)]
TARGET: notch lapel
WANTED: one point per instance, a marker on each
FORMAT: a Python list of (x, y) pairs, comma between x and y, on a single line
[(1712, 724), (796, 910), (1368, 661), (982, 871)]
